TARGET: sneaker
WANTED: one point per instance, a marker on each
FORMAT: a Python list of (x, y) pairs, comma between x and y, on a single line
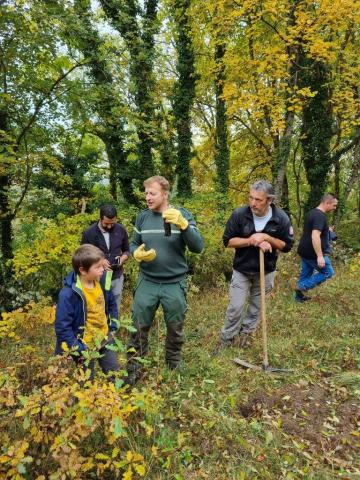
[(300, 297)]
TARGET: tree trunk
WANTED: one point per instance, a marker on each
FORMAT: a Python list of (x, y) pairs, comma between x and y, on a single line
[(283, 145), (124, 17), (282, 156), (316, 130), (184, 94), (351, 182), (6, 215), (285, 196), (6, 219), (222, 153)]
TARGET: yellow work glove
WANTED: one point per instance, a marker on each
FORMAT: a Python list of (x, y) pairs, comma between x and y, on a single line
[(141, 255), (172, 215)]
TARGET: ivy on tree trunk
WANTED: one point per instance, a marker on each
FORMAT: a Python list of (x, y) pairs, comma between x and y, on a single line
[(316, 130), (222, 153), (184, 94), (140, 43)]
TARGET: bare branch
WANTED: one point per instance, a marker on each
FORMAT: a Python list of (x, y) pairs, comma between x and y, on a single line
[(255, 135)]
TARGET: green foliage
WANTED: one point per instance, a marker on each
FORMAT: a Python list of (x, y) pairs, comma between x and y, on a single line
[(46, 260), (349, 233)]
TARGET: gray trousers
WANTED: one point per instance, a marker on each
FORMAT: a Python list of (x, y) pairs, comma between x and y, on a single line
[(242, 316), (117, 286)]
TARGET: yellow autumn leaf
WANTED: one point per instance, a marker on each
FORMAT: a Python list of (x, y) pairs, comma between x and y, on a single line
[(140, 469), (128, 475), (137, 457), (115, 452), (101, 456)]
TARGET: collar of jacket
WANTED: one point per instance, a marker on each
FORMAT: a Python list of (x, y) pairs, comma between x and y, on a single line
[(274, 218), (110, 232), (105, 283)]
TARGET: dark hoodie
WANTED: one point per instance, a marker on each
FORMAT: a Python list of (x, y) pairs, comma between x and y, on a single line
[(71, 312)]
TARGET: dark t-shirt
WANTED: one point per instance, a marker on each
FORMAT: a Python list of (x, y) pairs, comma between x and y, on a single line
[(314, 220)]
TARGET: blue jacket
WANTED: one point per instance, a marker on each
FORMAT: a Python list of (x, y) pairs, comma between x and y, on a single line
[(71, 312)]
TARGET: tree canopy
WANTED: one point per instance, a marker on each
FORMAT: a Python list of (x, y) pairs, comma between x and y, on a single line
[(96, 96)]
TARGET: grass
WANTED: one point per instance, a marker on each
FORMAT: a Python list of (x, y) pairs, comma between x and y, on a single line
[(218, 421), (205, 401)]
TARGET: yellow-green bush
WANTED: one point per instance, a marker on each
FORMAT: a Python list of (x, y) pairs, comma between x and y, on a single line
[(42, 264), (55, 423)]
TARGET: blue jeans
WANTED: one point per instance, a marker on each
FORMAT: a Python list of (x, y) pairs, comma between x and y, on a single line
[(308, 278)]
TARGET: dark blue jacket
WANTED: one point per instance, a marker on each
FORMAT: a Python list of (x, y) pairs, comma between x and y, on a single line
[(119, 243), (71, 312)]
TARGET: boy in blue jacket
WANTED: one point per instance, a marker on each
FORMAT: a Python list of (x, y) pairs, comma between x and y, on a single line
[(86, 313)]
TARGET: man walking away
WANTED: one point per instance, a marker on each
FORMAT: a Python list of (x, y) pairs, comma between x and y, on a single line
[(314, 248)]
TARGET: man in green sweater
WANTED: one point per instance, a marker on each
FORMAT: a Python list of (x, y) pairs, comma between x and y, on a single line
[(160, 238)]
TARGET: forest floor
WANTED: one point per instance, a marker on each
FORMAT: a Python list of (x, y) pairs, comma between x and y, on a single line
[(218, 421), (242, 424)]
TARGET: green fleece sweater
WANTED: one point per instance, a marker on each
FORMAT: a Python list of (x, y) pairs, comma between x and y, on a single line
[(170, 263)]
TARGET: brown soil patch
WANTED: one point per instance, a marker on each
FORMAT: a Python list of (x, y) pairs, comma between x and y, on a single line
[(313, 415)]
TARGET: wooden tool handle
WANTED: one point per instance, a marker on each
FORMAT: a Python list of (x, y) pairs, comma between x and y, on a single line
[(263, 310)]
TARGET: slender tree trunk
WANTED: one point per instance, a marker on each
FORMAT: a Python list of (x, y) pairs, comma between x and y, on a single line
[(285, 196), (167, 148), (6, 219), (113, 137), (282, 156), (184, 94), (337, 171), (353, 180), (222, 153), (296, 173), (316, 130), (140, 42), (6, 215), (283, 145)]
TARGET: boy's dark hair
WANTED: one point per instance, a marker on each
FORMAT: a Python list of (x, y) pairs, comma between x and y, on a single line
[(85, 256), (108, 211)]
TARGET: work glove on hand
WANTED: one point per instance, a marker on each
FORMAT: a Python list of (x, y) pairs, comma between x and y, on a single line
[(172, 215), (141, 255)]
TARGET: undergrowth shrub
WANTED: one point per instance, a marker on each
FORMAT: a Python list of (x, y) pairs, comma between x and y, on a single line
[(57, 424), (348, 233), (41, 265), (69, 427)]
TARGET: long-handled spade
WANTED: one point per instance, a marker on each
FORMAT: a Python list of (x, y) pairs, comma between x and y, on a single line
[(265, 366)]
